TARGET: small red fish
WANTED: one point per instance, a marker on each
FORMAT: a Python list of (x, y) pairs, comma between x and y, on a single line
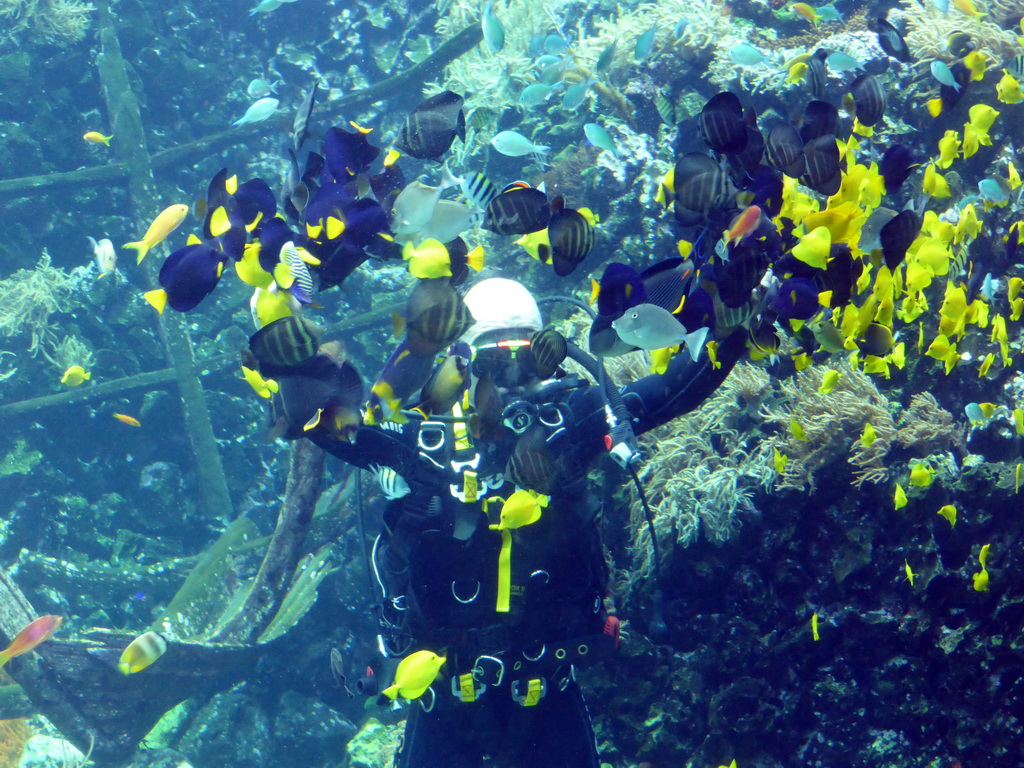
[(743, 224), (131, 421), (31, 636)]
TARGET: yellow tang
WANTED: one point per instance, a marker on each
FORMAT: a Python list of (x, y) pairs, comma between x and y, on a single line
[(949, 512), (829, 381), (899, 497), (981, 577), (414, 675), (74, 376)]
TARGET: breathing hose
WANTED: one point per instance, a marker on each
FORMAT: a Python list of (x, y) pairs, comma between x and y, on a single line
[(623, 449)]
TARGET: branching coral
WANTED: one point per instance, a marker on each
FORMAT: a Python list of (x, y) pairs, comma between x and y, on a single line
[(927, 428), (702, 472), (30, 296), (59, 21), (832, 423), (928, 27), (70, 351)]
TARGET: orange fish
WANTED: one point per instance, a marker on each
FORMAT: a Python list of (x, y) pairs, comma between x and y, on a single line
[(807, 12), (131, 421), (743, 224), (31, 636)]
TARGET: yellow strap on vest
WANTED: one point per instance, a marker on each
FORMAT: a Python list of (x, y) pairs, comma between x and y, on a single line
[(467, 689), (461, 431), (504, 573), (533, 691), (470, 487)]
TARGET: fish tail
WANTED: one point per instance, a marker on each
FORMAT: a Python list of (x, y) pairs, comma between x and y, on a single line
[(141, 246)]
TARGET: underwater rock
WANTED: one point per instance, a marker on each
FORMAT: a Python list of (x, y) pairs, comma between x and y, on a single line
[(306, 726), (47, 752), (375, 744), (231, 729)]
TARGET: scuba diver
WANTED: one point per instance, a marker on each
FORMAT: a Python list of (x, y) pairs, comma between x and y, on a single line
[(490, 569)]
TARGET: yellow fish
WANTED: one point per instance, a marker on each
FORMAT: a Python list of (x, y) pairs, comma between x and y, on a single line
[(814, 627), (797, 72), (829, 381), (934, 184), (167, 221), (968, 7), (814, 248), (899, 497), (797, 428), (868, 436), (910, 574), (780, 460), (520, 509), (921, 475), (95, 137), (414, 675), (949, 512), (976, 62), (262, 387), (1008, 89), (1018, 472), (141, 653), (74, 376), (981, 577), (807, 12), (428, 259), (949, 149)]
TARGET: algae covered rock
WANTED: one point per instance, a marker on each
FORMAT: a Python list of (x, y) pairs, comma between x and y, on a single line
[(375, 745)]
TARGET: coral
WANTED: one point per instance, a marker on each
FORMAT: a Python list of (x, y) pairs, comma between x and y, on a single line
[(70, 351), (14, 734), (927, 428), (701, 471), (20, 460), (832, 424), (56, 21), (927, 29), (30, 297)]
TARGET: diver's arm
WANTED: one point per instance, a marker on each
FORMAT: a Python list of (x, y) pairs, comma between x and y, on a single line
[(652, 400), (659, 398)]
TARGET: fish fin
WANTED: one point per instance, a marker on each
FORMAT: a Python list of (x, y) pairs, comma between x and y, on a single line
[(475, 258), (695, 342), (157, 298), (142, 247)]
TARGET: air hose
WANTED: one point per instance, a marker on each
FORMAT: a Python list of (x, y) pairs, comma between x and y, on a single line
[(623, 448)]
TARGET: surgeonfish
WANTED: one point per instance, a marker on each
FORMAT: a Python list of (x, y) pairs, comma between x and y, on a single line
[(414, 675), (648, 326), (166, 222), (75, 376), (142, 652), (30, 636), (431, 128)]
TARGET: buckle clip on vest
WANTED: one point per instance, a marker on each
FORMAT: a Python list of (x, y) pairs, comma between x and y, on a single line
[(529, 692)]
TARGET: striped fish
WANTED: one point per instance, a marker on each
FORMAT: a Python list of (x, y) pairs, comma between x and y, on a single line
[(784, 150), (518, 210), (531, 464), (549, 349), (571, 237), (302, 281), (436, 316), (721, 125), (284, 343), (1016, 66), (823, 173), (479, 190), (666, 109), (701, 186)]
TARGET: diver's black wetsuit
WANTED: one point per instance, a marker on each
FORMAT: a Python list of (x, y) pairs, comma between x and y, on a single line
[(438, 563)]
